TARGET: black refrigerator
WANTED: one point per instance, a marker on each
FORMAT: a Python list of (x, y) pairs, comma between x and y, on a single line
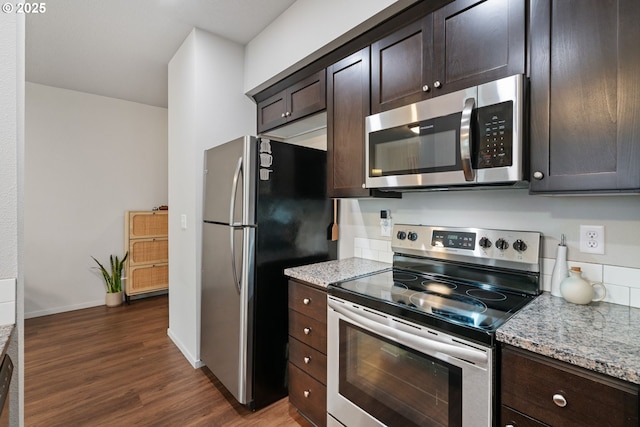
[(265, 209)]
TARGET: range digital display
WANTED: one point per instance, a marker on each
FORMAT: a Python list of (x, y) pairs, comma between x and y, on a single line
[(451, 239)]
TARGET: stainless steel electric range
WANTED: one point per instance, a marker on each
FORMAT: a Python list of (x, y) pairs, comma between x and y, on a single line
[(415, 346)]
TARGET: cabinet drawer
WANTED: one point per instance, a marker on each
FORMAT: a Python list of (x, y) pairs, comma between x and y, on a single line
[(148, 251), (308, 330), (308, 301), (509, 417), (148, 224), (308, 395), (147, 278), (308, 359), (530, 382)]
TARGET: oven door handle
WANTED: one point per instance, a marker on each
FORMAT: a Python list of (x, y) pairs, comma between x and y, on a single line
[(466, 139), (418, 339)]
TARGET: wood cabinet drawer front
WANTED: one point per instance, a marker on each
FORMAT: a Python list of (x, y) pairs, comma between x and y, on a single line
[(530, 382), (309, 331), (308, 359), (308, 395), (147, 278), (148, 224), (509, 417), (308, 301), (148, 251)]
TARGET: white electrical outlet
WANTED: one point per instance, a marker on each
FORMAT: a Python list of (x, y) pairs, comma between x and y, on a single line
[(592, 239), (385, 223)]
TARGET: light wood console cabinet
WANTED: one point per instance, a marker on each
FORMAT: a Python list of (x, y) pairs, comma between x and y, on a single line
[(146, 239), (308, 351)]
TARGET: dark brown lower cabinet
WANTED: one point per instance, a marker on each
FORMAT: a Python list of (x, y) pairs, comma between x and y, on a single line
[(308, 351), (539, 391)]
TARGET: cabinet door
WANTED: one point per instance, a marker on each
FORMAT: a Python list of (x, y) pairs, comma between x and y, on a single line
[(301, 99), (347, 107), (272, 112), (401, 66), (477, 41), (585, 96), (307, 96)]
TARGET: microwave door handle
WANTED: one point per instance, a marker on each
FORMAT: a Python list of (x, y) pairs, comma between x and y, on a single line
[(465, 139), (421, 342), (233, 226)]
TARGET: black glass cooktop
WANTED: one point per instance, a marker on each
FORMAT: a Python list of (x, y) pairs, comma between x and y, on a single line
[(472, 309)]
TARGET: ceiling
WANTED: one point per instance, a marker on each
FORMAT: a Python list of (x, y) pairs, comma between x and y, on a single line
[(121, 48)]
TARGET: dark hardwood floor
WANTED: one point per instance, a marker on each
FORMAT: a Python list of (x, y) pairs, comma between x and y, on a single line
[(117, 367)]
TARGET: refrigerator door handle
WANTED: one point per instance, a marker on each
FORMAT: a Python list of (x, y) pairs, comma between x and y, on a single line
[(233, 226), (234, 189)]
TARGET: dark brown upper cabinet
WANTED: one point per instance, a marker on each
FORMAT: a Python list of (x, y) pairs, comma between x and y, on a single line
[(301, 99), (347, 107), (401, 66), (585, 96), (465, 43)]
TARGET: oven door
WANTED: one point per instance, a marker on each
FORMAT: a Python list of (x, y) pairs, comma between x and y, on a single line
[(386, 371)]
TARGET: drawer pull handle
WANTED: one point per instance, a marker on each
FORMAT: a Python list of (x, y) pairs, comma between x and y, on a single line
[(510, 425), (306, 301), (307, 331), (559, 400), (306, 393), (307, 359)]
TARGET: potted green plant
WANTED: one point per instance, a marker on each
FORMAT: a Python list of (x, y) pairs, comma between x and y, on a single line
[(113, 279)]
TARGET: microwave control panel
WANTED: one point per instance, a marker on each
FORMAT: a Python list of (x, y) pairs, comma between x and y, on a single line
[(494, 147)]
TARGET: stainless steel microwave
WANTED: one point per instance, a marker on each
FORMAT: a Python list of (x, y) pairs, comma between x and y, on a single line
[(469, 137)]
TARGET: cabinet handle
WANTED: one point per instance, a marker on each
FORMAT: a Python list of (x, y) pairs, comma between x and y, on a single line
[(425, 88), (306, 301), (437, 84), (306, 393), (538, 175), (283, 115), (559, 400), (307, 331), (510, 425), (307, 359)]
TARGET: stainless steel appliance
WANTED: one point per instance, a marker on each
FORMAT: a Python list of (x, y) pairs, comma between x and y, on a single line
[(473, 136), (415, 345), (265, 209)]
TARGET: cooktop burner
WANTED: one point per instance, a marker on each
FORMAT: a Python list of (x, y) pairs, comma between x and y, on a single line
[(470, 291), (465, 304)]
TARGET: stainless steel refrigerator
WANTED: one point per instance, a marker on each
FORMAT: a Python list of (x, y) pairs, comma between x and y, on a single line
[(265, 209)]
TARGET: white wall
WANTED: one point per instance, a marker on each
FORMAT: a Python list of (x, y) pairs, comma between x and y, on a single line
[(89, 159), (308, 30), (12, 42), (206, 108)]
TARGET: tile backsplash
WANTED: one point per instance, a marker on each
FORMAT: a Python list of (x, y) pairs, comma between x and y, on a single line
[(622, 283), (7, 301)]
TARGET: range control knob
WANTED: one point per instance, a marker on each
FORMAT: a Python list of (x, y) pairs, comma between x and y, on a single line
[(401, 235), (413, 236), (484, 243), (519, 245), (502, 244)]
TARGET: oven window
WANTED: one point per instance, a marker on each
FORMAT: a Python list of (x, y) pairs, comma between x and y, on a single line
[(395, 384), (428, 146)]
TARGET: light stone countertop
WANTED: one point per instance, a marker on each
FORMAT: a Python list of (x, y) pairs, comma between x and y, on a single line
[(325, 273), (5, 333), (602, 337)]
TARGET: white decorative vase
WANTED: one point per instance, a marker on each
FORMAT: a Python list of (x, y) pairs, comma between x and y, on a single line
[(113, 299)]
